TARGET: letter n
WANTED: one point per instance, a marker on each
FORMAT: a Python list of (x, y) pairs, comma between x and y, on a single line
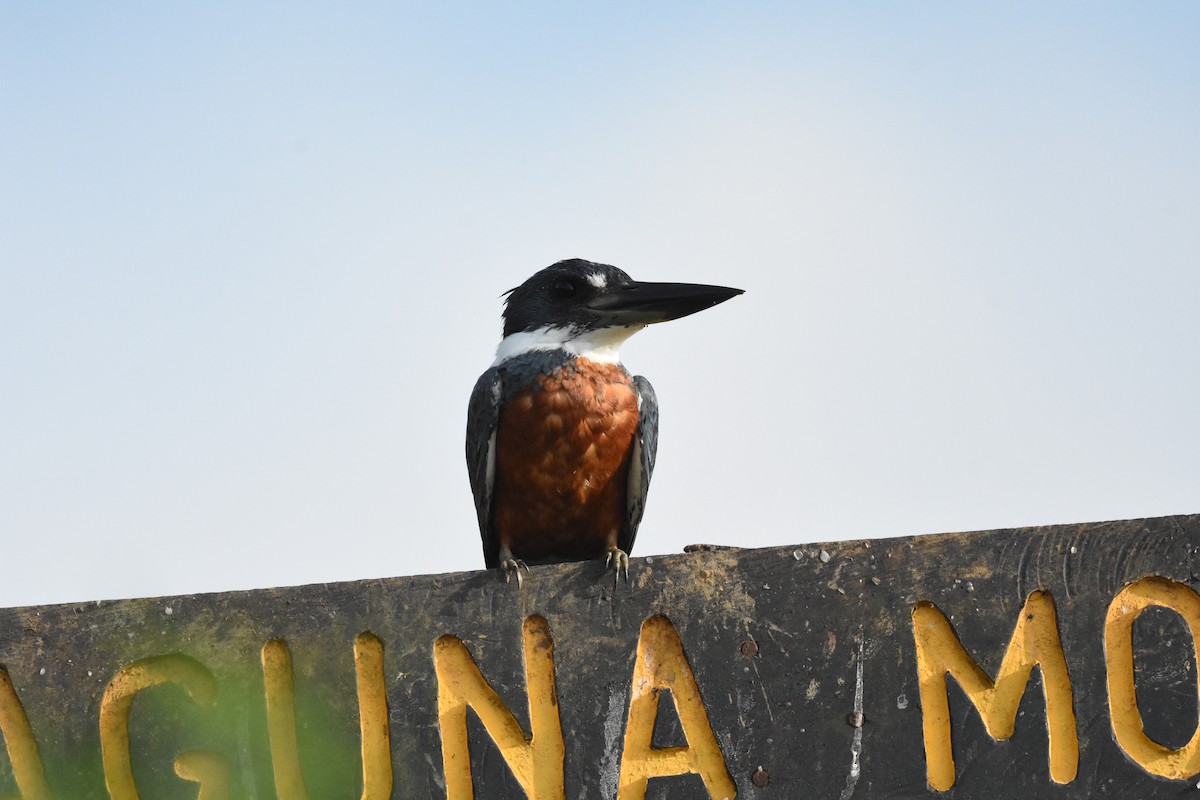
[(660, 665), (536, 762), (1034, 642)]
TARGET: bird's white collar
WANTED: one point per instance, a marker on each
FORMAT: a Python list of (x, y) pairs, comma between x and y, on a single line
[(601, 345)]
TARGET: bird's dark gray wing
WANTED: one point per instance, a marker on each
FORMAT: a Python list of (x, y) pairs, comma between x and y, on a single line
[(641, 462), (483, 412)]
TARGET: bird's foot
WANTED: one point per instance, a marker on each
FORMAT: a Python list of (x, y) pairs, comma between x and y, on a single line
[(513, 566), (618, 562)]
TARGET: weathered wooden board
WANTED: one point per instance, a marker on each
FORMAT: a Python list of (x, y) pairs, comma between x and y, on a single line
[(805, 660)]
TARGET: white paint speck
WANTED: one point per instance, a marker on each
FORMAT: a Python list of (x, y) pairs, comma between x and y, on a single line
[(857, 744), (902, 701)]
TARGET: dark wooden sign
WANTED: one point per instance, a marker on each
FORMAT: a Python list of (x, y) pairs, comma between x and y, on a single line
[(1054, 662)]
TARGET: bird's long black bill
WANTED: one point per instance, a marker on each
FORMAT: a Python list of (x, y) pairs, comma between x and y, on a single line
[(646, 303)]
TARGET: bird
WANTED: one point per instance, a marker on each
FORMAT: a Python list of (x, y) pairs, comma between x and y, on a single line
[(561, 439)]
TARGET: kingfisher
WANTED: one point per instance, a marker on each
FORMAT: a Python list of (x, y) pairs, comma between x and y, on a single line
[(561, 439)]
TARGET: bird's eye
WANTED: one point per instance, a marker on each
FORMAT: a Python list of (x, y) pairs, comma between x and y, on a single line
[(564, 288)]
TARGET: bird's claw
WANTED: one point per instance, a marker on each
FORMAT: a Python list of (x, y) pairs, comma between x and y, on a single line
[(618, 562), (511, 567)]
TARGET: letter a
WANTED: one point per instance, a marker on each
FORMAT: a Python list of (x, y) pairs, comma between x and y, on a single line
[(660, 665)]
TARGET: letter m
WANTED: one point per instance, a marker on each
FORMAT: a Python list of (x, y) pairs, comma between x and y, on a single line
[(1034, 642)]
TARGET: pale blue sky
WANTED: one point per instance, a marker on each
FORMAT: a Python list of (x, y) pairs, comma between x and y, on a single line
[(251, 259)]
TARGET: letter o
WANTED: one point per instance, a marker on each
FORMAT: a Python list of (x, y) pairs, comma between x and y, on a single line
[(1126, 718)]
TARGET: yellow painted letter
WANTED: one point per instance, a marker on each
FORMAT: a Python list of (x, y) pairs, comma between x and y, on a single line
[(660, 665), (209, 770), (537, 762), (1034, 642), (1118, 656), (372, 719), (22, 749), (197, 681)]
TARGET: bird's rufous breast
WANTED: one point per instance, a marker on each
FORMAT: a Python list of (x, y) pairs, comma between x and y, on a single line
[(562, 463)]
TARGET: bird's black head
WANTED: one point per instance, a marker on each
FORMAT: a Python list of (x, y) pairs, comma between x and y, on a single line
[(586, 296), (558, 296)]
